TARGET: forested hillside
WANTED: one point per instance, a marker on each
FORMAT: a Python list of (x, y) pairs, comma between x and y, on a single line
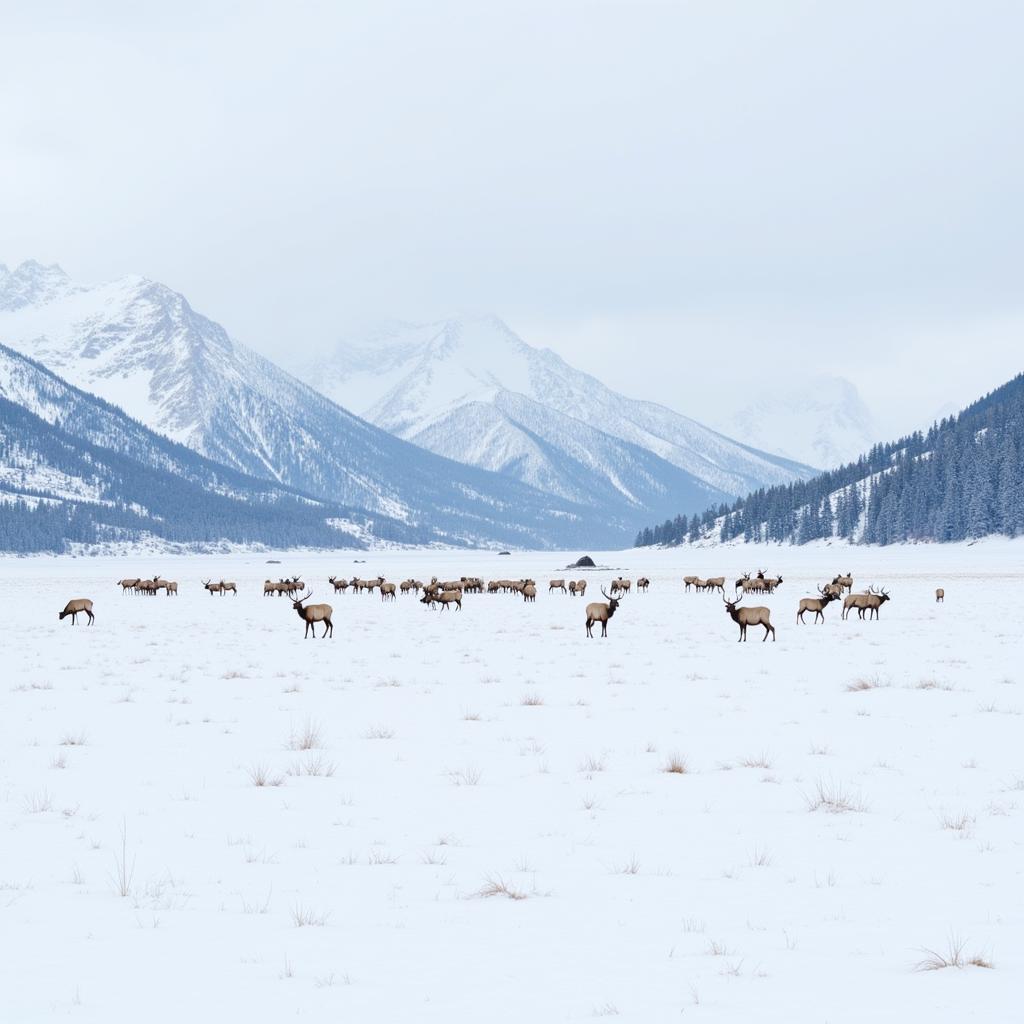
[(961, 479)]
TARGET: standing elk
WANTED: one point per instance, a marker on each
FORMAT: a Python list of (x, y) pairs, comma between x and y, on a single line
[(556, 585), (715, 583), (940, 595), (620, 586), (387, 590), (127, 585), (750, 616), (816, 604), (73, 608), (689, 581), (529, 592), (219, 588), (869, 602), (269, 588), (443, 598), (844, 582), (311, 614), (172, 588), (600, 612), (643, 583), (339, 585)]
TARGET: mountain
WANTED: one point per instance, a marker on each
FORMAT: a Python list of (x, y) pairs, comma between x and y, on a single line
[(75, 469), (822, 422), (141, 346), (472, 390), (961, 479)]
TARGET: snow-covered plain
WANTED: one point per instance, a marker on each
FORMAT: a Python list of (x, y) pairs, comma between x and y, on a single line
[(454, 754)]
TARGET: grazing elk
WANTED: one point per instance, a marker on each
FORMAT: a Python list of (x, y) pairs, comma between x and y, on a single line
[(940, 595), (816, 604), (127, 585), (311, 614), (750, 616), (529, 592), (556, 585), (600, 612), (73, 608), (443, 598)]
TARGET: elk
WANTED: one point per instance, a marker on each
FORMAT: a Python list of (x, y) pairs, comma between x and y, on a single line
[(172, 588), (620, 586), (339, 585), (689, 581), (556, 585), (750, 616), (443, 598), (868, 602), (529, 592), (311, 614), (770, 583), (127, 585), (269, 587), (405, 586), (643, 583), (387, 590), (72, 608), (146, 587), (834, 589), (715, 583), (600, 612), (581, 588), (940, 595), (164, 585), (219, 588), (844, 582), (816, 604)]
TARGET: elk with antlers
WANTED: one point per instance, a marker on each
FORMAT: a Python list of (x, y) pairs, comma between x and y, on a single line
[(749, 616), (869, 602), (311, 614), (127, 585), (598, 611), (442, 597), (75, 607), (816, 604)]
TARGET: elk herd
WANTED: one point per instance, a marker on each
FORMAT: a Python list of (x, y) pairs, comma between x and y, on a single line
[(446, 594)]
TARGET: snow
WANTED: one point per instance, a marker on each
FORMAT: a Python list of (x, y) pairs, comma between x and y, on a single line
[(500, 745)]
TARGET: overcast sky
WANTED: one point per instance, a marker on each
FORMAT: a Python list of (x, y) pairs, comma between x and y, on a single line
[(693, 200)]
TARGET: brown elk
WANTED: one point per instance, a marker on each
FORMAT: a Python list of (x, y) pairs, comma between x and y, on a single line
[(127, 585), (172, 588), (164, 585), (620, 586), (643, 583), (405, 586), (600, 612), (73, 608), (834, 589), (147, 587), (770, 583), (715, 583), (219, 588), (269, 588), (869, 602), (817, 604), (940, 595), (556, 585), (387, 590), (529, 592), (689, 581), (844, 582), (750, 616), (311, 614), (339, 585), (443, 598), (581, 588)]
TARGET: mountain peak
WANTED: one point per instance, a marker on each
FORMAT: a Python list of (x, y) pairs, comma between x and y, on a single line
[(30, 283)]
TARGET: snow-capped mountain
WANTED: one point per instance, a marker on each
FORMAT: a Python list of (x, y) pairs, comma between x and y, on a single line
[(75, 468), (141, 346), (472, 390), (822, 422)]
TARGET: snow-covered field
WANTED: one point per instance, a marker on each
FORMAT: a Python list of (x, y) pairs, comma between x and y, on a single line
[(852, 795)]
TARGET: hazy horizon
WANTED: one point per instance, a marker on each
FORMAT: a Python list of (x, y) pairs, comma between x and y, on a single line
[(695, 205)]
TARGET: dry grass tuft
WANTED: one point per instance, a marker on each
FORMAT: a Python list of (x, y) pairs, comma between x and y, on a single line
[(676, 765), (260, 776), (953, 957), (833, 797), (865, 683), (495, 885), (531, 700), (306, 917), (379, 732), (309, 737), (466, 776)]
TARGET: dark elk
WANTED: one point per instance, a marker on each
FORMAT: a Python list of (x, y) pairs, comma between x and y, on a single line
[(73, 608), (643, 583), (601, 612), (752, 616), (311, 614)]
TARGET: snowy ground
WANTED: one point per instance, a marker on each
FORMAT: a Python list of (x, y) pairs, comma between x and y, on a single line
[(499, 747)]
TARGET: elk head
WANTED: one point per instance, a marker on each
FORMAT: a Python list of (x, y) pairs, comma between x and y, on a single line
[(613, 602), (297, 602)]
